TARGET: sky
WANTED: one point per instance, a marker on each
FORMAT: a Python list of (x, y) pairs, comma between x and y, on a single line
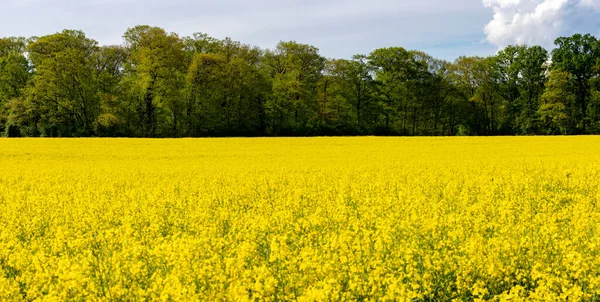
[(339, 28)]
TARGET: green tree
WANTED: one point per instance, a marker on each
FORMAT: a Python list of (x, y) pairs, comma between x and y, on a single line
[(578, 55), (398, 75), (353, 84), (506, 73), (519, 78), (114, 118), (202, 43), (203, 81), (65, 85), (225, 89), (557, 103), (295, 69), (533, 67), (485, 95), (160, 85), (335, 97), (467, 82), (594, 103), (15, 74), (155, 76), (435, 93)]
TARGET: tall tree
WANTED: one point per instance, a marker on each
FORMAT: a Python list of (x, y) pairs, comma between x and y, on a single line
[(506, 72), (155, 72), (466, 82), (225, 87), (360, 75), (533, 67), (204, 80), (435, 91), (115, 117), (65, 84), (557, 104), (398, 75), (295, 70), (15, 74), (335, 97), (578, 55), (160, 85), (519, 78)]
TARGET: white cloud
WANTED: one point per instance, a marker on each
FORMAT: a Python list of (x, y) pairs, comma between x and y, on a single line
[(540, 22)]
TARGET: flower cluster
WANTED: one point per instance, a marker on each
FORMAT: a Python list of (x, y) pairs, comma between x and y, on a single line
[(320, 219)]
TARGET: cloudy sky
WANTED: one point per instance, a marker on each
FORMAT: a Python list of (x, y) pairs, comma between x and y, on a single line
[(340, 28)]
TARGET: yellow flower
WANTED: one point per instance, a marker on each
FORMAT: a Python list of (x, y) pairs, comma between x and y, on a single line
[(320, 219)]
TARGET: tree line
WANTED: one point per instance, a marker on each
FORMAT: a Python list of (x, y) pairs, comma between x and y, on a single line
[(158, 84)]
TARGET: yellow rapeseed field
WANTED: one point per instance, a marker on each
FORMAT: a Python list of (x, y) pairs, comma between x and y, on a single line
[(307, 219)]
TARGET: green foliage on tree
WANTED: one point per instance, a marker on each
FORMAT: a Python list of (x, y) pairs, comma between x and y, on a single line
[(155, 77), (294, 69), (15, 75), (578, 55), (158, 84), (557, 104), (64, 94), (518, 78)]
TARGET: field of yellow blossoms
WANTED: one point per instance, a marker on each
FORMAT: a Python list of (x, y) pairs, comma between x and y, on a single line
[(307, 219)]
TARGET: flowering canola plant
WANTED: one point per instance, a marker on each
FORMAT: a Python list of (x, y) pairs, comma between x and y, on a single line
[(307, 219)]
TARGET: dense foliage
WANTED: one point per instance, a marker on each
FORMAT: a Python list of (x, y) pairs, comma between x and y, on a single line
[(158, 84), (300, 219)]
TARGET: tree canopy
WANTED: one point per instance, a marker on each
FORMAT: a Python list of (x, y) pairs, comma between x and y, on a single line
[(158, 84)]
